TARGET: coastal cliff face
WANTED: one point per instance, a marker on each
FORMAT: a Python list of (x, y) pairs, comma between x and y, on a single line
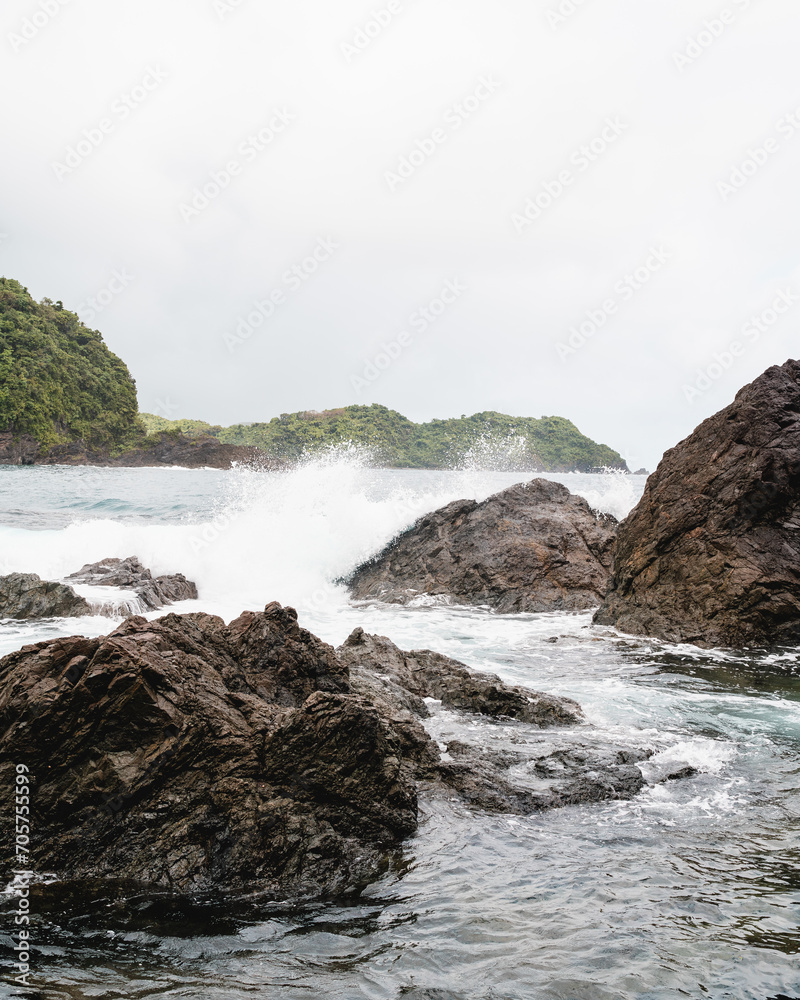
[(711, 554), (532, 547), (166, 449)]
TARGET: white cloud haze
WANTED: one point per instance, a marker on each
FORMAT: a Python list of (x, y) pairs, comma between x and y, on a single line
[(625, 165)]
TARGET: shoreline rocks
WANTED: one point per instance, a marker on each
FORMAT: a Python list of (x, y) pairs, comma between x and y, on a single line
[(532, 547), (194, 756), (130, 574), (171, 449), (711, 554), (25, 596)]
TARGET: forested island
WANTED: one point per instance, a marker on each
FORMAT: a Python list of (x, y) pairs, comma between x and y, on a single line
[(65, 398)]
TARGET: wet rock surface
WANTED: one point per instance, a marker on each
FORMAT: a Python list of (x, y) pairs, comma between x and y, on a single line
[(188, 754), (130, 574), (532, 547), (535, 772), (426, 674), (711, 554), (195, 756), (26, 595)]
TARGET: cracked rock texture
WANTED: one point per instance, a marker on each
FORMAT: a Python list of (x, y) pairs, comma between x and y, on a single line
[(532, 547), (711, 554)]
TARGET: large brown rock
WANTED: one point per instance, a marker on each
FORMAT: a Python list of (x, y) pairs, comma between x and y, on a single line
[(192, 755), (711, 554), (532, 547), (26, 595)]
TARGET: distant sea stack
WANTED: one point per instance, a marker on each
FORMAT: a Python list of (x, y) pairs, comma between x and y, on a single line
[(711, 554)]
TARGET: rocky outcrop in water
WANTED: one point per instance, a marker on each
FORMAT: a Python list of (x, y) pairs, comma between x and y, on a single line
[(188, 754), (426, 674), (26, 595), (532, 547), (193, 755), (711, 554), (130, 574), (553, 763)]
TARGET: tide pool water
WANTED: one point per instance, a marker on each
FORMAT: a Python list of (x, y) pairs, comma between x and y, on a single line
[(689, 890)]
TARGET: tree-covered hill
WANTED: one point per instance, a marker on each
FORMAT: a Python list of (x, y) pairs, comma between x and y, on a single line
[(485, 439), (59, 382), (65, 397)]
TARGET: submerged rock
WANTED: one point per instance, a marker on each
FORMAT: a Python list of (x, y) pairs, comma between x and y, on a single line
[(532, 547), (130, 574), (711, 554), (26, 595)]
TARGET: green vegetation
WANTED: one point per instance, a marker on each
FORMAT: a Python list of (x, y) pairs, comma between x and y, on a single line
[(484, 439), (58, 380), (59, 383)]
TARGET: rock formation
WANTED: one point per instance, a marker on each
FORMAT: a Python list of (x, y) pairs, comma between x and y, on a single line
[(129, 574), (26, 595), (711, 554), (532, 547), (196, 756)]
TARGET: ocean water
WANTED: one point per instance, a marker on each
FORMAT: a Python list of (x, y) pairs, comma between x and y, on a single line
[(692, 889)]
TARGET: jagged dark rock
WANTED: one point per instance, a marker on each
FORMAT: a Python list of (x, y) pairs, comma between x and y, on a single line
[(532, 547), (130, 574), (26, 595), (711, 554), (430, 675), (195, 756), (188, 754)]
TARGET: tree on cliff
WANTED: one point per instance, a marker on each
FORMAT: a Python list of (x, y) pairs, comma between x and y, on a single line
[(58, 380)]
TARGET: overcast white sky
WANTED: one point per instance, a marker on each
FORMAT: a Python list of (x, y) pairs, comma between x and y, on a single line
[(171, 92)]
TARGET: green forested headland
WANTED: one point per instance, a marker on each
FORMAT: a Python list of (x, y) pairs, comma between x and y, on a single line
[(58, 381), (60, 384), (485, 439)]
